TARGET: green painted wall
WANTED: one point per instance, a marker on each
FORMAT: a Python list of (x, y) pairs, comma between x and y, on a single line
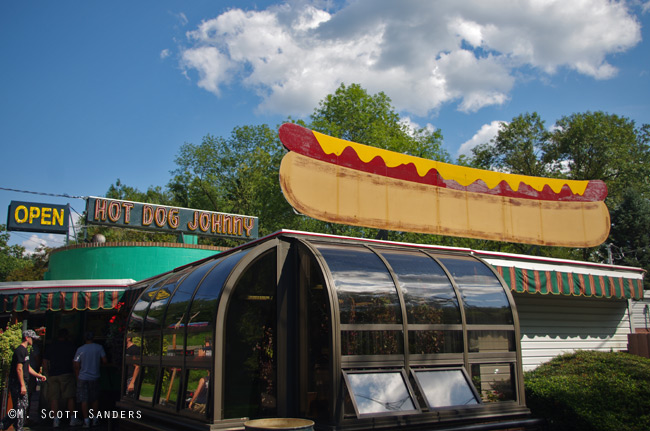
[(101, 261)]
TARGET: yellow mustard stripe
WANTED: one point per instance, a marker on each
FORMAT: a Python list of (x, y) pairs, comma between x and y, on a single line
[(461, 174)]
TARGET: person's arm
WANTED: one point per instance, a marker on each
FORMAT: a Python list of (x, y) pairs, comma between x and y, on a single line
[(136, 371), (21, 378), (35, 374), (197, 391)]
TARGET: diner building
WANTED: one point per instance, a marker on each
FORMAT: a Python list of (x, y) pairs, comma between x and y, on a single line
[(354, 334)]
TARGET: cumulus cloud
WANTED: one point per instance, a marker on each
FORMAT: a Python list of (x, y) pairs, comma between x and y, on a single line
[(421, 54), (483, 136)]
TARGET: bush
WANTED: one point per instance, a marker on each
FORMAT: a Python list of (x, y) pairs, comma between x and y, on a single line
[(590, 390), (10, 338)]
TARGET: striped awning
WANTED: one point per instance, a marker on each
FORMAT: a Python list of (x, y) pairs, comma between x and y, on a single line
[(577, 282), (62, 295)]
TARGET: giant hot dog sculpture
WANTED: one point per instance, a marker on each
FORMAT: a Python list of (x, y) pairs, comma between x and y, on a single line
[(345, 182)]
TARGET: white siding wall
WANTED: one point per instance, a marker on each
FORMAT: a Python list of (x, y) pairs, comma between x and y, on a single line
[(640, 312), (555, 324)]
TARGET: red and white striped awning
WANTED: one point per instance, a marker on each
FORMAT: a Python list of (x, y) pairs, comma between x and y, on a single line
[(63, 295), (563, 277)]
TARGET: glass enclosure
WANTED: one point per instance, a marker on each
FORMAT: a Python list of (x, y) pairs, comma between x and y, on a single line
[(338, 330)]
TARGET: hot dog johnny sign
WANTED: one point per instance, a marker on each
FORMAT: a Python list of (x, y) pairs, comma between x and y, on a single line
[(345, 182), (136, 215)]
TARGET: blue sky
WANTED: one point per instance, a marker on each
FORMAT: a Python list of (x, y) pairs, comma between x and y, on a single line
[(94, 91)]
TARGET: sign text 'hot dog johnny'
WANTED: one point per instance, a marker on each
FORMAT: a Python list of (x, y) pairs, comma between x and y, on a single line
[(137, 215)]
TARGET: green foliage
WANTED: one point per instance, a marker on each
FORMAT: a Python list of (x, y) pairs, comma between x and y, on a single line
[(11, 256), (591, 390), (352, 114), (10, 338), (518, 148), (629, 238)]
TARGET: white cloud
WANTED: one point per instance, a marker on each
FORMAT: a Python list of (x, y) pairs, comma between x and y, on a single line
[(164, 54), (483, 136), (421, 54)]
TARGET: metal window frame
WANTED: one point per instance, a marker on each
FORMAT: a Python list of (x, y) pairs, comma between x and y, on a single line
[(407, 386)]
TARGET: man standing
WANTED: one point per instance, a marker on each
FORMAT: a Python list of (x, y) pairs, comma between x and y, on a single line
[(19, 373), (57, 361), (86, 365), (132, 370)]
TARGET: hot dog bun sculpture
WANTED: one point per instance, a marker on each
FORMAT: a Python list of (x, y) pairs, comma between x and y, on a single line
[(339, 181)]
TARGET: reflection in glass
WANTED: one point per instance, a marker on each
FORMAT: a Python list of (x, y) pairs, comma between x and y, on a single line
[(433, 341), (446, 388), (318, 332), (483, 296), (174, 326), (197, 391), (364, 287), (380, 393), (491, 341), (154, 320), (148, 383), (372, 342), (139, 310), (203, 311), (171, 382), (495, 382), (428, 293), (250, 377)]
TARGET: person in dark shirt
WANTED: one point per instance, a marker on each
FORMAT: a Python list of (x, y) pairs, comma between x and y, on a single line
[(58, 365), (132, 370), (19, 373)]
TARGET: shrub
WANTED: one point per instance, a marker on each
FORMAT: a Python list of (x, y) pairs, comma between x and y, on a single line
[(10, 338), (590, 390)]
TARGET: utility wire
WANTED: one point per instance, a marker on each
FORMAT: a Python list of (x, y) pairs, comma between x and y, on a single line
[(64, 195)]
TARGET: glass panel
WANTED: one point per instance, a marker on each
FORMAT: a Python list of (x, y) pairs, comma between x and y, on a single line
[(372, 342), (174, 326), (171, 382), (139, 310), (433, 341), (250, 346), (156, 313), (203, 311), (365, 290), (484, 299), (317, 333), (148, 383), (495, 382), (197, 392), (380, 393), (132, 360), (427, 291), (491, 341), (446, 388)]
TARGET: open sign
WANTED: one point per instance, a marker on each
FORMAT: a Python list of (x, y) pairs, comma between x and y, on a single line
[(38, 217)]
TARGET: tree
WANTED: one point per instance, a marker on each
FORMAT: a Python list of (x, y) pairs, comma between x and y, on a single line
[(237, 175), (518, 148), (354, 115), (34, 268), (596, 145), (11, 256), (629, 238)]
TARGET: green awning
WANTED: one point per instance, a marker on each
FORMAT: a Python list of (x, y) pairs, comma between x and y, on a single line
[(62, 295), (612, 285)]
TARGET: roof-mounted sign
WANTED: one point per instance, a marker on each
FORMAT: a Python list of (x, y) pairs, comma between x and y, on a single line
[(339, 181), (137, 215), (38, 217)]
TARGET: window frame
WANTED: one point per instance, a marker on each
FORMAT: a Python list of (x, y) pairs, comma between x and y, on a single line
[(407, 385)]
